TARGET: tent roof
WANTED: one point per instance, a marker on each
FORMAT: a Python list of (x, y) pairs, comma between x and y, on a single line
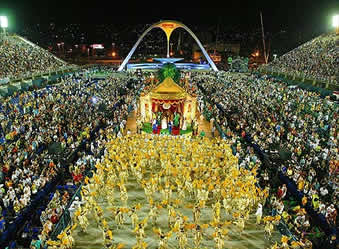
[(168, 86)]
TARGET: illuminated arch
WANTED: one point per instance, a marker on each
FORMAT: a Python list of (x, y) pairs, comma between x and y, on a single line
[(168, 27)]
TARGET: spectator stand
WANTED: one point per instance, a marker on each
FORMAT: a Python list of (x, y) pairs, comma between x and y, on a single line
[(22, 217), (281, 226), (301, 79), (316, 218), (323, 91), (11, 232), (314, 62), (34, 82)]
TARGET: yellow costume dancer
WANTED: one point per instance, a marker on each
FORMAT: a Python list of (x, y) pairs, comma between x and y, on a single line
[(196, 213), (140, 231), (80, 215), (182, 238), (133, 214), (216, 211), (154, 212), (197, 236), (163, 238), (107, 238)]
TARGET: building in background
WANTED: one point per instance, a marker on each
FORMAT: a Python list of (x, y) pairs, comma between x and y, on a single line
[(216, 52)]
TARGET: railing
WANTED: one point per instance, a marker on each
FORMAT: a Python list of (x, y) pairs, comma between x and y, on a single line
[(296, 75), (32, 76), (49, 75), (283, 228), (65, 218)]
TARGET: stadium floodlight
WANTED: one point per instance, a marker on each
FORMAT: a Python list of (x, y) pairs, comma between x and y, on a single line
[(335, 21), (3, 22)]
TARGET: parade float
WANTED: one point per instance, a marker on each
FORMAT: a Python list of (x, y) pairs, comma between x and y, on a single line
[(167, 108)]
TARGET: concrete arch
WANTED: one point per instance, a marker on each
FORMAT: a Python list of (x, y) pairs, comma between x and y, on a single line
[(168, 32)]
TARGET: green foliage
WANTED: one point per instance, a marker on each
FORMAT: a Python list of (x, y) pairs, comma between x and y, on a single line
[(148, 129), (169, 70)]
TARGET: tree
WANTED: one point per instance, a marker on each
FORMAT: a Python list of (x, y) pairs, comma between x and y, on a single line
[(169, 70)]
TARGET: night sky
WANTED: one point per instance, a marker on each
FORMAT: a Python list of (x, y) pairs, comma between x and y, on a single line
[(288, 14)]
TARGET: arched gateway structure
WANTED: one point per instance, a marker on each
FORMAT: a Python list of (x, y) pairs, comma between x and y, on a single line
[(168, 27)]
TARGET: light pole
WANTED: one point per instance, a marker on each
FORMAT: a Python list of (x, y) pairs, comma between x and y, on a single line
[(335, 23), (63, 47), (58, 44), (4, 23), (171, 53)]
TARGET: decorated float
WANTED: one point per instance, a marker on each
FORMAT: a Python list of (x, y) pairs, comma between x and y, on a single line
[(167, 109)]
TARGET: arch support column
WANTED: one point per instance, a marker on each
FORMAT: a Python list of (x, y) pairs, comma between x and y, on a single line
[(168, 27)]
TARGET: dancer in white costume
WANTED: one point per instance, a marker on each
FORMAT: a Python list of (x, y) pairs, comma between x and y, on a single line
[(259, 213), (164, 123)]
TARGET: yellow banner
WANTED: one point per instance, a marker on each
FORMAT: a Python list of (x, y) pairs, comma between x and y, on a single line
[(168, 28)]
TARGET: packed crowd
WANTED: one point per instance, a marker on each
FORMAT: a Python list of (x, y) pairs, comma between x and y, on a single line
[(316, 59), (284, 119), (66, 199), (62, 117), (19, 58), (290, 121)]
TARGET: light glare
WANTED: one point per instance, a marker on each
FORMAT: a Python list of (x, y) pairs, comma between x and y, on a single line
[(3, 22), (336, 21)]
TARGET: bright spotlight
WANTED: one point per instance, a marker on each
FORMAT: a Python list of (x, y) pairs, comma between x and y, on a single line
[(335, 21), (3, 22)]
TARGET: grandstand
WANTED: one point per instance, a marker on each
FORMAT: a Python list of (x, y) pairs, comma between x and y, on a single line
[(21, 58), (56, 142), (316, 59)]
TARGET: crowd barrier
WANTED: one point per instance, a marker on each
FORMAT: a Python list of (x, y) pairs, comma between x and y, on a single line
[(39, 80), (298, 76), (65, 218), (221, 132), (283, 228)]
